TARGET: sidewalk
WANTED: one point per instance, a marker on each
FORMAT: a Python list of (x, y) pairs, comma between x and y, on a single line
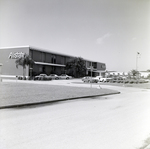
[(23, 93)]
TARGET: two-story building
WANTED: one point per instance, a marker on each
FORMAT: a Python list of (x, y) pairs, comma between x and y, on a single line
[(46, 61)]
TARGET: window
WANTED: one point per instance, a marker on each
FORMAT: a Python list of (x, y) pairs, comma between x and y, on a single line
[(53, 59)]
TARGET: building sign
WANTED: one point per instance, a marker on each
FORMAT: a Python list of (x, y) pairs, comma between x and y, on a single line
[(15, 55)]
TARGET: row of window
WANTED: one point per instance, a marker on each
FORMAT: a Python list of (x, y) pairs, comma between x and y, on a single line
[(39, 56), (48, 57)]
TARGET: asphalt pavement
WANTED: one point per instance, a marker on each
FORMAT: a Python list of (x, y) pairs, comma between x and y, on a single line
[(119, 121)]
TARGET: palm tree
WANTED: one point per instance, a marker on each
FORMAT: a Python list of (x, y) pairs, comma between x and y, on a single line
[(24, 61), (76, 67)]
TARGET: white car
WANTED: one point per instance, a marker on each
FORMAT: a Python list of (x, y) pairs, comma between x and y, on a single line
[(54, 76), (42, 77), (64, 76), (105, 79), (98, 77), (90, 79)]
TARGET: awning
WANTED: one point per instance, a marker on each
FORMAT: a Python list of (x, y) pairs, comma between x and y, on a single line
[(101, 71), (49, 64), (96, 70)]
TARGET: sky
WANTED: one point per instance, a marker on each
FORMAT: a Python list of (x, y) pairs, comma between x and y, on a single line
[(108, 31)]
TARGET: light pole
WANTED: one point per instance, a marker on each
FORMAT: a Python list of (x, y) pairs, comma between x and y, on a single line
[(0, 71), (91, 74), (137, 56)]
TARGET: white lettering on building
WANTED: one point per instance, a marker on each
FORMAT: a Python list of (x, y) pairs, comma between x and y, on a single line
[(15, 55)]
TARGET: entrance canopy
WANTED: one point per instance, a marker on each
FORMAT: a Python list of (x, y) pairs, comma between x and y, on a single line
[(50, 64)]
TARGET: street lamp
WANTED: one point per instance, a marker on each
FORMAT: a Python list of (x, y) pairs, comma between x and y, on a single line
[(91, 73), (0, 71), (137, 56)]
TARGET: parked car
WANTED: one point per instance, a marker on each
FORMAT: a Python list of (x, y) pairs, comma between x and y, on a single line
[(90, 79), (42, 77), (21, 78), (105, 79), (142, 81), (65, 76), (99, 77), (54, 76), (126, 81), (118, 79), (135, 81)]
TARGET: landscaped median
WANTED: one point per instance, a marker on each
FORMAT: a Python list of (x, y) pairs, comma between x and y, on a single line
[(23, 94)]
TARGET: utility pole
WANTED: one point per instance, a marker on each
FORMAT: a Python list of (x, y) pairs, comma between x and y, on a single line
[(91, 75), (137, 56), (1, 71)]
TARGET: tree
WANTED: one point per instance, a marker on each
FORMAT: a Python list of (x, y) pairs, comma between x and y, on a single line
[(76, 67), (24, 61), (135, 72)]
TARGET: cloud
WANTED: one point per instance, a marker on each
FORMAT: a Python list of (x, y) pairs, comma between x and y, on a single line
[(101, 39)]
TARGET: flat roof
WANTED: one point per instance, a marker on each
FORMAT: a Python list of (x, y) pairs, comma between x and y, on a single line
[(49, 51), (46, 50), (13, 47)]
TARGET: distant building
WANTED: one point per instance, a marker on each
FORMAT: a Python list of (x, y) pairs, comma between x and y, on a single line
[(45, 62)]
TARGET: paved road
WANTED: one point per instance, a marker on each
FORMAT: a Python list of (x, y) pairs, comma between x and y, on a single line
[(118, 121)]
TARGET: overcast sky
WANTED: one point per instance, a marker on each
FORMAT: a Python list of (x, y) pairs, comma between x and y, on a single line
[(109, 31)]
